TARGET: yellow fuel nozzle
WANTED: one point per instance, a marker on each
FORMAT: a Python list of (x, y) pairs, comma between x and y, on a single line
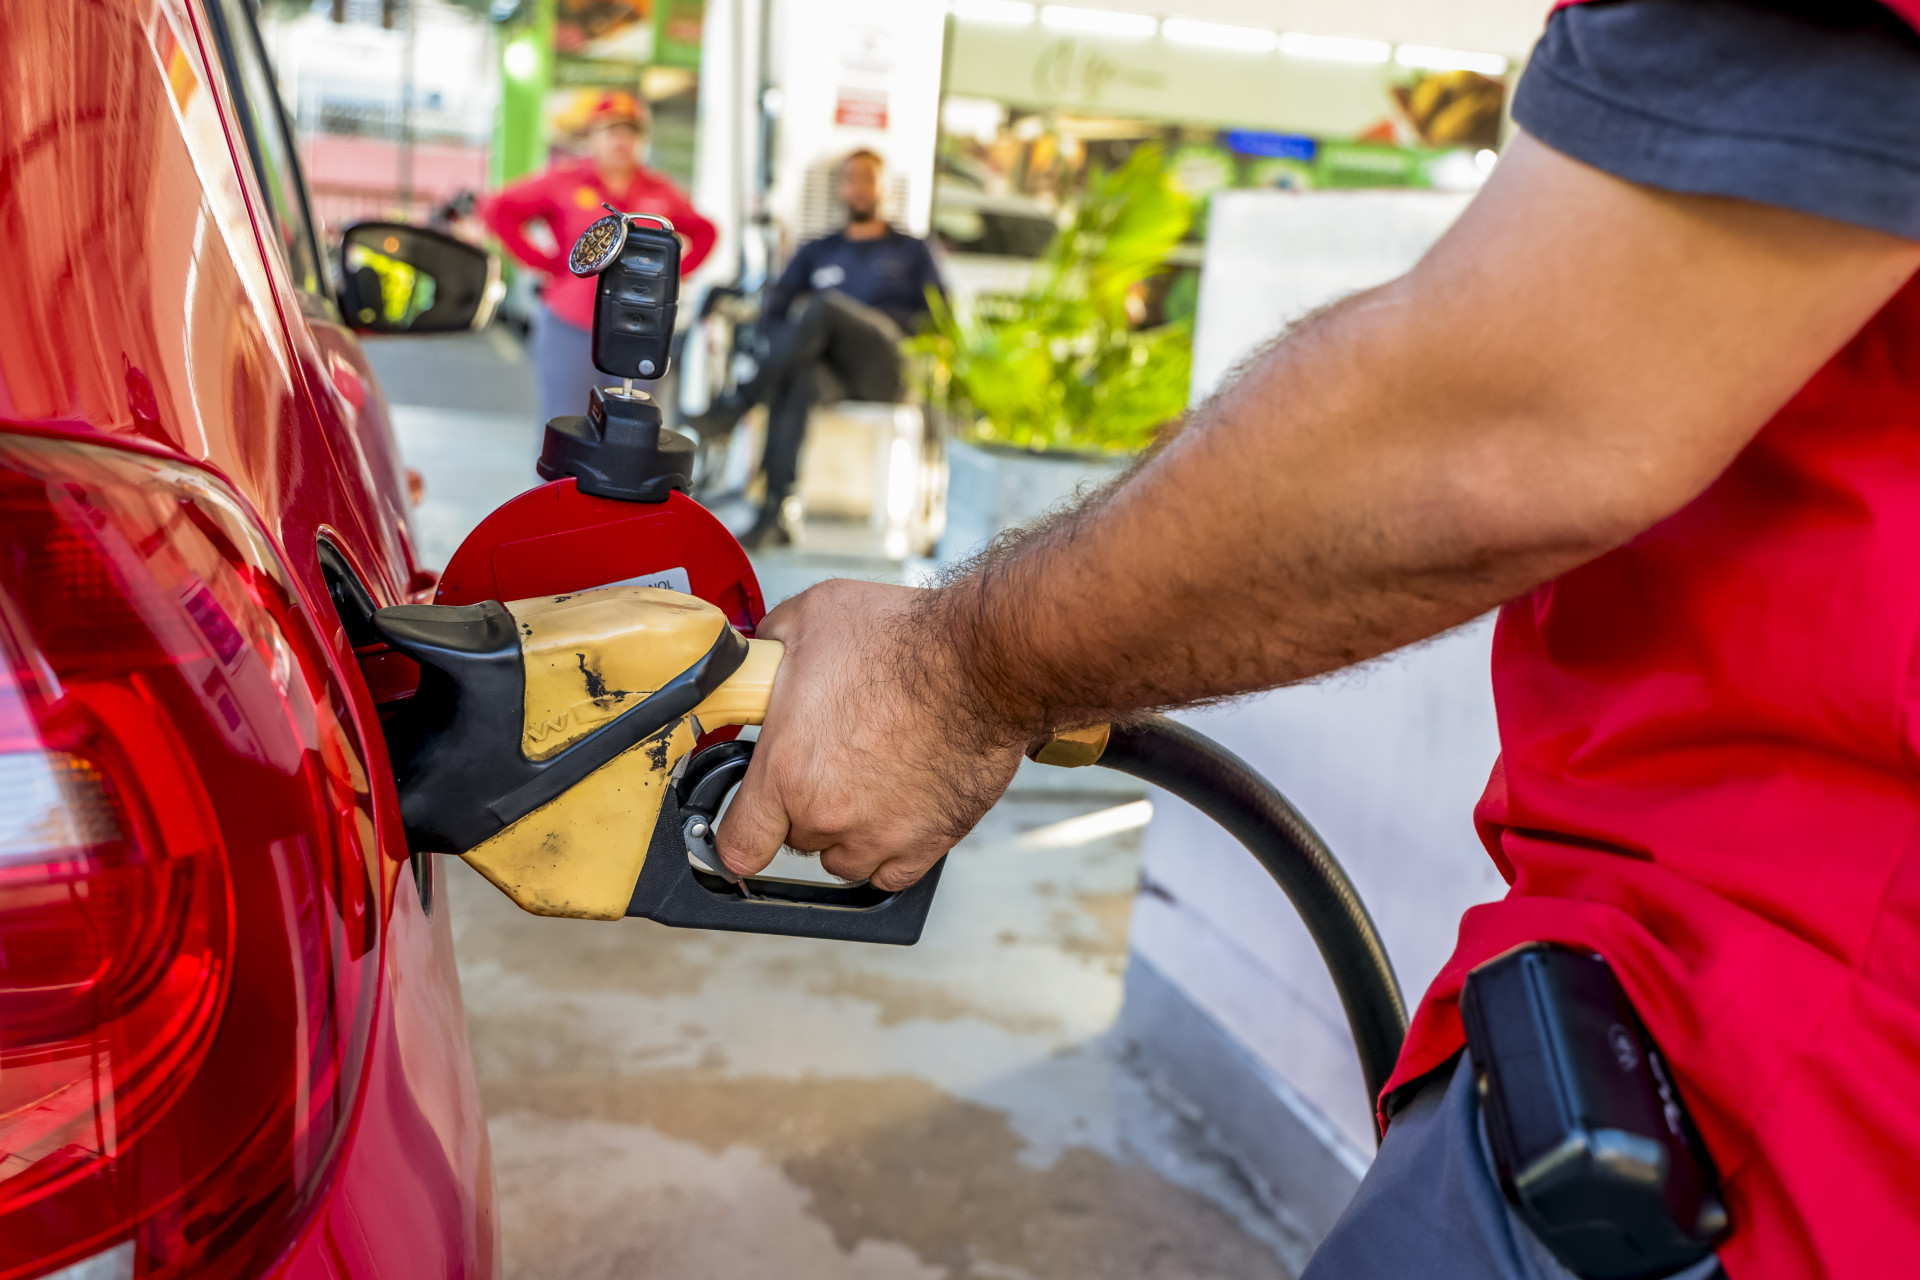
[(552, 743), (592, 656), (546, 731)]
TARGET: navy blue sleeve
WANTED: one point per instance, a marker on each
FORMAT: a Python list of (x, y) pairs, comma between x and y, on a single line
[(930, 272), (791, 284), (1811, 105)]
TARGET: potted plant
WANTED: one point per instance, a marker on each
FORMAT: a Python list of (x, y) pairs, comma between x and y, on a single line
[(1060, 386)]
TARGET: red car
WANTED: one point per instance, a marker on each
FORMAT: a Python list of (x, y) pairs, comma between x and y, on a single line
[(231, 1039)]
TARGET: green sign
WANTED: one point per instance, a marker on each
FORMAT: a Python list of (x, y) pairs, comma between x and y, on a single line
[(1354, 164), (596, 73), (676, 32)]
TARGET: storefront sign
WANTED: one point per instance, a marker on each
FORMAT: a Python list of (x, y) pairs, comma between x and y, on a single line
[(860, 107), (1275, 146), (677, 30), (1073, 71), (1033, 68)]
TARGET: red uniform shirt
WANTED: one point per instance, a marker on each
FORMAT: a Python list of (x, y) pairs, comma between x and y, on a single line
[(566, 197), (1710, 774)]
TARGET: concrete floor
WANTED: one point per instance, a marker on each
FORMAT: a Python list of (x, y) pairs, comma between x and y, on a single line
[(669, 1103)]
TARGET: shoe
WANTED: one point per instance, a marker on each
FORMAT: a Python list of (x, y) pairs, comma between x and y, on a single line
[(721, 416), (768, 530)]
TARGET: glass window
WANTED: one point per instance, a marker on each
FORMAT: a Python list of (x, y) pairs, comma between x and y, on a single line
[(274, 159)]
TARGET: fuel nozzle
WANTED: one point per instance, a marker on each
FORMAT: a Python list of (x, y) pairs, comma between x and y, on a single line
[(565, 747)]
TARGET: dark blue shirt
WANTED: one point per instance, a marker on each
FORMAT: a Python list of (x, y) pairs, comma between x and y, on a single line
[(891, 274), (1808, 104)]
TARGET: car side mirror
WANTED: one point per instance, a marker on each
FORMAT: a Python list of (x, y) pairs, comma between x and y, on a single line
[(397, 278)]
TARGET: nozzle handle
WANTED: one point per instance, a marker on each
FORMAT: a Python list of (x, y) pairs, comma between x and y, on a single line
[(672, 891)]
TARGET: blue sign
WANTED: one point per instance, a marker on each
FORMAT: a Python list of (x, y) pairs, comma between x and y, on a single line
[(1283, 146)]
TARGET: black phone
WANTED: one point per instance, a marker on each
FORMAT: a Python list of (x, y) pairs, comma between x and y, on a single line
[(635, 300), (1589, 1137)]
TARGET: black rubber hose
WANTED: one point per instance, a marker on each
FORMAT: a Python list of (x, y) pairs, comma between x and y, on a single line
[(1227, 789)]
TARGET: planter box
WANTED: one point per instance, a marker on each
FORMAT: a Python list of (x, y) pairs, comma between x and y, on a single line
[(992, 488), (862, 460), (870, 461)]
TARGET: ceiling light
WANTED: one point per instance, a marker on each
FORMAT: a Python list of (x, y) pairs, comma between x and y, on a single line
[(1218, 35), (1296, 44), (1098, 22), (1004, 13), (1428, 58)]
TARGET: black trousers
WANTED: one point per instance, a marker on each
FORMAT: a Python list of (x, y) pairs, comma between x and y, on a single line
[(831, 348)]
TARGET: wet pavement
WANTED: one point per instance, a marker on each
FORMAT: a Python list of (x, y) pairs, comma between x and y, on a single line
[(682, 1104)]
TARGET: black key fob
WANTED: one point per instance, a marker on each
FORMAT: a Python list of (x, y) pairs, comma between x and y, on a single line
[(636, 258)]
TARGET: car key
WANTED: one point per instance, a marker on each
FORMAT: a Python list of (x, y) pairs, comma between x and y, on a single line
[(621, 448), (638, 292)]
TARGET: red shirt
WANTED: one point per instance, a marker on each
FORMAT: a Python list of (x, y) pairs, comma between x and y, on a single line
[(1710, 774), (567, 197)]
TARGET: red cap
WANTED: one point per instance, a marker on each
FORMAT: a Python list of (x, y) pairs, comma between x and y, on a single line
[(615, 107)]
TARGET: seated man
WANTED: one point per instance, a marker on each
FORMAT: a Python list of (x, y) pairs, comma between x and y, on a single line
[(866, 287)]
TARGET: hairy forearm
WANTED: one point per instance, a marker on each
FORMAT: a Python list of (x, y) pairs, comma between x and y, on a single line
[(1576, 359), (1312, 515)]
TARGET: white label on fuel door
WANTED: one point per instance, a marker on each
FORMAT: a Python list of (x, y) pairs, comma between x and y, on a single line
[(666, 579)]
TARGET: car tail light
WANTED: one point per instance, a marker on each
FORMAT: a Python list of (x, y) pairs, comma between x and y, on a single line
[(188, 919)]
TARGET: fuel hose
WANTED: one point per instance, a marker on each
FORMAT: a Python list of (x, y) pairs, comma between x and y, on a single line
[(1226, 788)]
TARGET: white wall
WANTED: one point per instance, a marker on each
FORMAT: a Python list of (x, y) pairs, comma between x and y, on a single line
[(815, 49), (724, 155), (1273, 256), (1158, 80), (884, 49), (1386, 761), (456, 83)]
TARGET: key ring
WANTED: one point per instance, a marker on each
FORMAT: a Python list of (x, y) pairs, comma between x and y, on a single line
[(600, 244)]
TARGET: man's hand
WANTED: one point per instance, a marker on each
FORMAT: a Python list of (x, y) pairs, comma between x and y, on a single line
[(872, 753)]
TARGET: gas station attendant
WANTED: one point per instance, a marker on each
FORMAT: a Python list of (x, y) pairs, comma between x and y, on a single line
[(1656, 397), (567, 198)]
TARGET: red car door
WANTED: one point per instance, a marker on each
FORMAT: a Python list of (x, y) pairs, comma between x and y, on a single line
[(231, 1041)]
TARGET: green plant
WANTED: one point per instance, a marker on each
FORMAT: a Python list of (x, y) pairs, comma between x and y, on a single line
[(1061, 366)]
